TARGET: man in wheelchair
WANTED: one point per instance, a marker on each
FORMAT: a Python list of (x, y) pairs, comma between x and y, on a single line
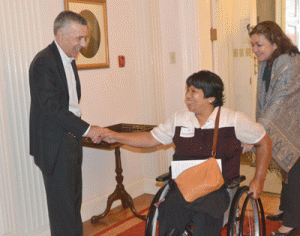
[(192, 134)]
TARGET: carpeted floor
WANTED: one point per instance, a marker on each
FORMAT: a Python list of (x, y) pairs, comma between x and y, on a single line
[(133, 226)]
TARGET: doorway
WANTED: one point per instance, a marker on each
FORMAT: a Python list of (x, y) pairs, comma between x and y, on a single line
[(232, 55), (244, 64), (292, 19)]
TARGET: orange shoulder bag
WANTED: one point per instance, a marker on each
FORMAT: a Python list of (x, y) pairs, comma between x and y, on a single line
[(202, 179)]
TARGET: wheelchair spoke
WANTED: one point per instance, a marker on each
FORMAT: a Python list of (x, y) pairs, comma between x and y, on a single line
[(250, 222), (248, 228), (244, 217), (236, 210), (152, 223)]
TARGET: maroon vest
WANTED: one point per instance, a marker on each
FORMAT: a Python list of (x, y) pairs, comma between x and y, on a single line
[(200, 147)]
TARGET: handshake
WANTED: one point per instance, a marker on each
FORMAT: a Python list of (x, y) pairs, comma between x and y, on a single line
[(97, 134)]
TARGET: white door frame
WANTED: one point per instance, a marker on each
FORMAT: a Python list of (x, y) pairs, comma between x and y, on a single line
[(280, 9)]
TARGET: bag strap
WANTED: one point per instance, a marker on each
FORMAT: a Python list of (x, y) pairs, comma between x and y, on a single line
[(216, 132)]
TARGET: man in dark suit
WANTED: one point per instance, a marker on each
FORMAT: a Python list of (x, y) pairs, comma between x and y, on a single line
[(56, 127)]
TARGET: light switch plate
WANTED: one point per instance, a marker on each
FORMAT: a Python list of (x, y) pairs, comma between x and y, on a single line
[(235, 53), (172, 57)]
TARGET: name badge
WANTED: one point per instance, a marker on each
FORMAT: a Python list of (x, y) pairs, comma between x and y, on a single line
[(187, 132)]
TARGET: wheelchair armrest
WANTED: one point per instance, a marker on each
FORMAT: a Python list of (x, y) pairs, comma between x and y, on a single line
[(235, 182), (164, 177)]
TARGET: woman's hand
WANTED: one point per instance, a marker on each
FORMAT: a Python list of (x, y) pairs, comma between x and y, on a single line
[(247, 147)]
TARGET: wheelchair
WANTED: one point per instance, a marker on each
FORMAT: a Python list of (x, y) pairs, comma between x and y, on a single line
[(244, 216)]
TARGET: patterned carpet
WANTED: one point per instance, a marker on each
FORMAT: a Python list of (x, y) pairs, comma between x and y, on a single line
[(133, 226)]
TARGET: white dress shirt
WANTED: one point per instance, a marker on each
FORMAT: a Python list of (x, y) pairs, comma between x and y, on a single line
[(246, 130), (73, 97)]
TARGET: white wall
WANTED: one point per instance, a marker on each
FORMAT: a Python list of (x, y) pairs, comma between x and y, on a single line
[(147, 90), (242, 89)]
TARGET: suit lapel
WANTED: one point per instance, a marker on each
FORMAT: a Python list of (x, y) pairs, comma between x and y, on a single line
[(60, 65)]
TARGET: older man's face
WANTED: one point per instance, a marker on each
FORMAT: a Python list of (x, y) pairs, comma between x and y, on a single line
[(72, 38)]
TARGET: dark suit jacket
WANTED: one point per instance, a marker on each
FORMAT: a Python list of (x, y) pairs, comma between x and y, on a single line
[(50, 117)]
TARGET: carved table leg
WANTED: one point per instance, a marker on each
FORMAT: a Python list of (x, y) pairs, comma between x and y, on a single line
[(119, 193)]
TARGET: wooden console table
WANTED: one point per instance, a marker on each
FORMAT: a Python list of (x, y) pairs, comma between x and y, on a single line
[(120, 193)]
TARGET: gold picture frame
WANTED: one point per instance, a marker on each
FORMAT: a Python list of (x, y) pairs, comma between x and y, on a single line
[(95, 55)]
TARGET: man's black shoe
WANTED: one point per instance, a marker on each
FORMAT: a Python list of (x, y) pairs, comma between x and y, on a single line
[(278, 217), (292, 232)]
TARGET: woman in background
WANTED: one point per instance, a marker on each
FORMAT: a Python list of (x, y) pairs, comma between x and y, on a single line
[(278, 110)]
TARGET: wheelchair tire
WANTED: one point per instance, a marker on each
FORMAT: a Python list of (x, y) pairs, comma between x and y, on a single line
[(151, 222), (242, 219), (262, 217)]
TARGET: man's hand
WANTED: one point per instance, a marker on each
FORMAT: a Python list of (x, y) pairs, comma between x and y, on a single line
[(95, 134)]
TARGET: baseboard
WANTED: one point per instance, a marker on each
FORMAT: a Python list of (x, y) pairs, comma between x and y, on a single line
[(45, 232), (269, 194)]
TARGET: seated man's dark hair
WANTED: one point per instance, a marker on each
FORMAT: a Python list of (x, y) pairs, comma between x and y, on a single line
[(210, 83)]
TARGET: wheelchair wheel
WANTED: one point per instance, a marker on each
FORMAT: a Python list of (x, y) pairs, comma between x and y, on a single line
[(151, 223), (246, 217)]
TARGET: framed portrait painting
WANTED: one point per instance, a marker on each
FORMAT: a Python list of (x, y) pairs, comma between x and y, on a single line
[(95, 55)]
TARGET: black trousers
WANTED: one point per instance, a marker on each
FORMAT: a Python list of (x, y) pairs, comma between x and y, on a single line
[(64, 190), (290, 198), (205, 213)]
